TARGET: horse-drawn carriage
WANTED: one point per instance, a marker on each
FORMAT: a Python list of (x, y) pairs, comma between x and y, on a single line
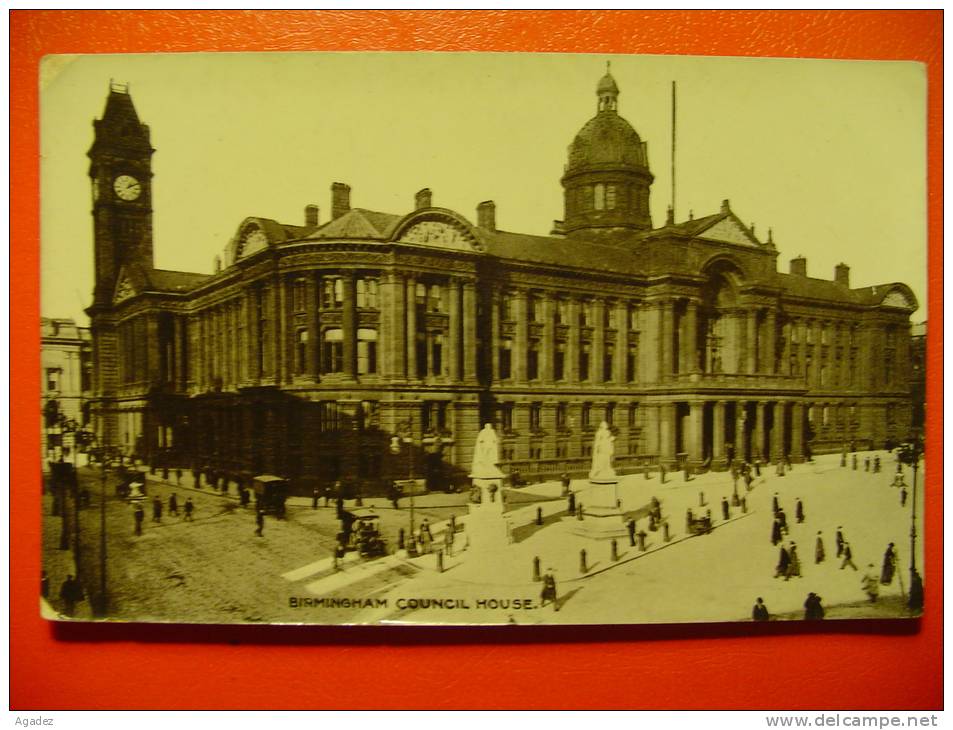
[(363, 533)]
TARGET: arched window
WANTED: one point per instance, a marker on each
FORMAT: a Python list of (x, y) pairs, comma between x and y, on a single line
[(333, 351), (599, 197), (366, 351)]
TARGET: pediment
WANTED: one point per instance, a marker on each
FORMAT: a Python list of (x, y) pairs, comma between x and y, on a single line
[(124, 289), (730, 230), (448, 234), (896, 298)]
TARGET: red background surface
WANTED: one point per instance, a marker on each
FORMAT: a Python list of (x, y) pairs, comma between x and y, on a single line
[(869, 665)]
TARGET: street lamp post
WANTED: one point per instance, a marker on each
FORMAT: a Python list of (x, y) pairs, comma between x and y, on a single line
[(405, 429), (910, 454)]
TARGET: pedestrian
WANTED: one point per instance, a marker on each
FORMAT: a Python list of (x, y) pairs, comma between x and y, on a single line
[(903, 496), (338, 554), (425, 536), (548, 593), (448, 538), (339, 500), (566, 481), (689, 518), (173, 505), (44, 584), (315, 494), (839, 539), (866, 463), (760, 611), (783, 519), (877, 464), (757, 467), (799, 511), (630, 526), (395, 495), (819, 549), (140, 515), (848, 557), (178, 475), (813, 610), (656, 509), (889, 566), (571, 506), (776, 532), (243, 496), (775, 504), (156, 509), (870, 583), (725, 511), (70, 593), (794, 563), (784, 560), (188, 509), (853, 462), (260, 522)]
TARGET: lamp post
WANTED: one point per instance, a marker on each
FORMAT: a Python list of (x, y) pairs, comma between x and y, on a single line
[(910, 453), (405, 431)]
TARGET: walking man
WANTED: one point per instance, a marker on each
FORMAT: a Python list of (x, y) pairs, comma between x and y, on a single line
[(783, 519), (903, 496), (799, 511), (760, 611), (572, 504), (314, 498), (260, 522), (819, 549), (140, 515), (173, 505), (794, 563), (848, 557), (725, 511), (448, 538), (813, 611), (188, 509), (840, 541), (565, 482), (630, 526), (784, 560), (776, 506), (156, 509), (889, 566), (853, 462), (776, 532)]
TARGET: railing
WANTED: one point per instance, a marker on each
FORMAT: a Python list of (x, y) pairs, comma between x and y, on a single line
[(547, 469), (739, 380)]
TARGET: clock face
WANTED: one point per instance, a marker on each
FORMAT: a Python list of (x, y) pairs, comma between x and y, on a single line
[(127, 187)]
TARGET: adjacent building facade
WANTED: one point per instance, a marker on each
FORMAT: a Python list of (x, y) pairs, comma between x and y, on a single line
[(66, 357), (313, 343)]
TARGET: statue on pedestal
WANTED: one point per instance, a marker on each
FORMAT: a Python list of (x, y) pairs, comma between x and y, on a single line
[(486, 455), (603, 449)]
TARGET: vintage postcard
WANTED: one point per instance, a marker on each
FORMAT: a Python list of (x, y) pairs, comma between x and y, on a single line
[(421, 338)]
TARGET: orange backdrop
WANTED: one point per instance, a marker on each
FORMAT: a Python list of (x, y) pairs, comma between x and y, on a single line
[(871, 665)]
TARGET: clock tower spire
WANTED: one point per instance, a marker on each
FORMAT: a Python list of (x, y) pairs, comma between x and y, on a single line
[(120, 171)]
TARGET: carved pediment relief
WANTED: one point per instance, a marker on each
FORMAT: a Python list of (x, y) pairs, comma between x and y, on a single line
[(124, 290), (729, 230), (897, 298), (441, 234)]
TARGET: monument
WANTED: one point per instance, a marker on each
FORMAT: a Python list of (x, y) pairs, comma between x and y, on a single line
[(485, 525), (602, 511)]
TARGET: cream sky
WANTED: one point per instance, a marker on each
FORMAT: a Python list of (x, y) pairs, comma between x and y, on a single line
[(830, 154)]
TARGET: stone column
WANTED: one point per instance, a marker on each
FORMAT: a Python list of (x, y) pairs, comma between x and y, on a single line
[(469, 331), (176, 374), (548, 348), (689, 345), (777, 432), (718, 459), (651, 428), (598, 340), (495, 295), (521, 343), (621, 342), (758, 446), (251, 338), (287, 333), (349, 325), (572, 345), (741, 418), (411, 338), (770, 340), (666, 339), (797, 432), (751, 346), (453, 335), (696, 410), (667, 441)]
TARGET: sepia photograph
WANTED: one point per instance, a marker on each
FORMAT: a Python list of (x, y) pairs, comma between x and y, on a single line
[(481, 338)]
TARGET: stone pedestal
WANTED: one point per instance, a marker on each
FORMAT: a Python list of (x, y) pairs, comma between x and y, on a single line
[(602, 516), (486, 527)]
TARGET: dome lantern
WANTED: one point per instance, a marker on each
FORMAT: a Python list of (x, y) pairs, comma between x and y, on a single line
[(608, 92)]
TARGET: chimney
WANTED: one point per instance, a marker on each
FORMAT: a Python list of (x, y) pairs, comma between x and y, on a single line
[(725, 206), (486, 215), (311, 216), (842, 274), (423, 199), (799, 266), (340, 199)]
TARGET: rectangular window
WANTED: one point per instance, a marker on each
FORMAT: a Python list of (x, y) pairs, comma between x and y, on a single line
[(367, 293), (421, 346), (535, 413), (561, 450), (562, 311), (562, 415), (610, 317), (506, 359), (506, 416), (585, 314), (506, 307), (532, 360), (436, 354), (610, 413), (559, 361), (584, 352), (633, 318), (330, 420), (298, 295), (586, 415), (632, 364), (366, 351), (332, 293), (53, 378), (610, 197), (301, 352), (333, 351), (420, 293), (633, 415), (369, 414), (436, 298), (534, 308), (607, 359)]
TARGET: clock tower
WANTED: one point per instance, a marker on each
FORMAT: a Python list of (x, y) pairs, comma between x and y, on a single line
[(120, 171)]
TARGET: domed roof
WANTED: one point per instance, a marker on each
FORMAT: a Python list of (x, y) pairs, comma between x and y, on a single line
[(606, 139), (607, 85)]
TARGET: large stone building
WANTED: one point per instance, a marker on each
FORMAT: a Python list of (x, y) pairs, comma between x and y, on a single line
[(66, 358), (313, 343)]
